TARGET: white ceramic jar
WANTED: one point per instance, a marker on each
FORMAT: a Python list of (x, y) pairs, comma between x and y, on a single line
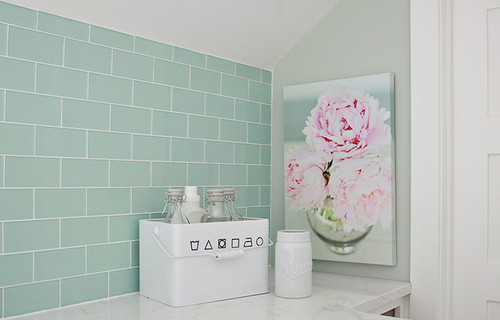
[(293, 264)]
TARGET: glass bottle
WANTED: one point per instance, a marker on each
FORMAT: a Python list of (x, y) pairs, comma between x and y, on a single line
[(173, 203), (230, 196), (215, 199)]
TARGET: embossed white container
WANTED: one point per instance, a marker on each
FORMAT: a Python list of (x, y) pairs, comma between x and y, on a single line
[(293, 264)]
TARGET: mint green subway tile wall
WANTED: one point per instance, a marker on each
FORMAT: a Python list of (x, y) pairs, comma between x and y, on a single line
[(95, 125)]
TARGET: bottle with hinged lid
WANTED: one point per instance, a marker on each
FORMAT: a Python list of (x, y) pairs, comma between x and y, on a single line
[(230, 196), (215, 200), (173, 207)]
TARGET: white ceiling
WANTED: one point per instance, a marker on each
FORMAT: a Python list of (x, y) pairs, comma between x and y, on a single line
[(255, 32)]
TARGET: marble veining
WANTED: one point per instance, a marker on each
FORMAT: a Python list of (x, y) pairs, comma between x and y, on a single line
[(334, 297)]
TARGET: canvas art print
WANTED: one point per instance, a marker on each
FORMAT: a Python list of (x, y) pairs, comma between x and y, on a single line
[(339, 167)]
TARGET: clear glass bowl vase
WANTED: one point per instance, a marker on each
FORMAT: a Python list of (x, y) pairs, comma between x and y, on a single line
[(338, 238)]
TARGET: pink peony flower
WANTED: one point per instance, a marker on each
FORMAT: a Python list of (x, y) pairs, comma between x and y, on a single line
[(347, 123), (362, 192), (305, 183)]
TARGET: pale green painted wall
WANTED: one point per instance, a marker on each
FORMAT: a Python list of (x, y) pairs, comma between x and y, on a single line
[(94, 126), (358, 37)]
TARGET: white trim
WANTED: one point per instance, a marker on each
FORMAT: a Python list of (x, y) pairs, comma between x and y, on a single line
[(431, 158)]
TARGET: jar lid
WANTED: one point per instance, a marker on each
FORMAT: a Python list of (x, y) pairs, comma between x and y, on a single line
[(215, 192), (175, 192), (294, 236)]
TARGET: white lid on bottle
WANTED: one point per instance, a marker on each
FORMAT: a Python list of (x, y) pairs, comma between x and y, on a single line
[(294, 236), (191, 193)]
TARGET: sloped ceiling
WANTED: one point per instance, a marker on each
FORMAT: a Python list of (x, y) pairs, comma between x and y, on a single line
[(255, 32)]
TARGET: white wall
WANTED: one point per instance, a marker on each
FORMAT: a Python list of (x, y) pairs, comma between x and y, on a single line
[(356, 38)]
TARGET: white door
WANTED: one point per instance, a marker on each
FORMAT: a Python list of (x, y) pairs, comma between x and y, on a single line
[(476, 173)]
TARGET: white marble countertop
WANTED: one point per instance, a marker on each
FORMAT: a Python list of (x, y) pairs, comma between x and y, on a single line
[(334, 297)]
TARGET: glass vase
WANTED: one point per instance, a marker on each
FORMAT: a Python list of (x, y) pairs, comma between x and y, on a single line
[(338, 238)]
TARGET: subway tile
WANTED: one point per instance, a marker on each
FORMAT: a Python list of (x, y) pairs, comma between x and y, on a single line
[(152, 95), (130, 119), (54, 203), (265, 113), (247, 196), (203, 127), (110, 89), (132, 65), (148, 199), (61, 263), (135, 253), (125, 227), (259, 175), (111, 38), (1, 170), (189, 57), (248, 72), (84, 231), (258, 133), (259, 212), (171, 73), (108, 257), (153, 48), (222, 65), (200, 174), (123, 281), (84, 173), (33, 108), (61, 81), (151, 148), (220, 106), (16, 269), (188, 101), (234, 87), (60, 142), (260, 92), (17, 74), (169, 124), (83, 289), (233, 174), (31, 235), (16, 139), (233, 130), (18, 15), (248, 111), (2, 99), (87, 56), (34, 45), (267, 76), (1, 301), (108, 201), (109, 145), (31, 172), (187, 150), (247, 153), (169, 174), (130, 173), (216, 151), (204, 80), (17, 204), (265, 196), (85, 114), (62, 26), (3, 39), (41, 296), (265, 154)]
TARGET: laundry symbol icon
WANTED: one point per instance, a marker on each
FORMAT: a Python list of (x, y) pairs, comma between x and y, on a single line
[(195, 245), (221, 244), (248, 242), (208, 245), (235, 243), (259, 241)]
